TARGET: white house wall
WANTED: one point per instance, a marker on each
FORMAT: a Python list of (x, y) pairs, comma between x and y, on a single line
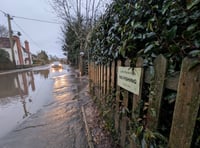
[(25, 55), (16, 54)]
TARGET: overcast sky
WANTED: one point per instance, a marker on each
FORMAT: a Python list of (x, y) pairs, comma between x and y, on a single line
[(41, 36)]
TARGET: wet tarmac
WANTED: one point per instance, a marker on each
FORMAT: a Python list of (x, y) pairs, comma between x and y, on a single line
[(40, 108)]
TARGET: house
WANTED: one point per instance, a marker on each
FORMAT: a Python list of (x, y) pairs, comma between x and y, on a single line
[(22, 55)]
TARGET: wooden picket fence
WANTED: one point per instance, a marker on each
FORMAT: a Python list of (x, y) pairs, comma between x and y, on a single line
[(103, 80)]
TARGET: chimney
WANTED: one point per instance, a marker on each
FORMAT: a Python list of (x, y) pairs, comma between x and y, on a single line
[(28, 50)]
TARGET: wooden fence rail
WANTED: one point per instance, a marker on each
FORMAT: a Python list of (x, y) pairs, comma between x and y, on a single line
[(186, 83)]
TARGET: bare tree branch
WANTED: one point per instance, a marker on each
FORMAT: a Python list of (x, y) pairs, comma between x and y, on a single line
[(79, 15)]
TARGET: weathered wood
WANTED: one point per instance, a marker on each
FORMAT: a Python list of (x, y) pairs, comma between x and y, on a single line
[(95, 74), (95, 77), (117, 98), (109, 78), (156, 91), (186, 107), (170, 82), (102, 80), (100, 86), (123, 126), (113, 75), (136, 98), (98, 81), (105, 80)]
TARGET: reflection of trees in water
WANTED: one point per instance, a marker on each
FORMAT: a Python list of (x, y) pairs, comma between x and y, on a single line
[(43, 73)]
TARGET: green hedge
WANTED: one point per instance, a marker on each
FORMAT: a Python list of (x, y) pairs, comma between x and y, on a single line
[(135, 28)]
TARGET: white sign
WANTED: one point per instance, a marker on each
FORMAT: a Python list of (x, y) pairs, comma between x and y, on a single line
[(129, 79)]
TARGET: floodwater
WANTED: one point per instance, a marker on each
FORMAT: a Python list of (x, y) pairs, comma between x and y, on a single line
[(39, 108), (22, 94)]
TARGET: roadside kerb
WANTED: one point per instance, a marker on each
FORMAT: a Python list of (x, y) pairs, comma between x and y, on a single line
[(89, 137)]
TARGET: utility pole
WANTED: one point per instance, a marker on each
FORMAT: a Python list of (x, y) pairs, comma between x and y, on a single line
[(11, 39)]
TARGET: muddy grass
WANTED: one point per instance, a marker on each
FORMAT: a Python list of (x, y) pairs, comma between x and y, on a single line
[(101, 137)]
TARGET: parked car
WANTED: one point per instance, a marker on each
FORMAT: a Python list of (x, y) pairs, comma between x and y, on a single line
[(56, 65)]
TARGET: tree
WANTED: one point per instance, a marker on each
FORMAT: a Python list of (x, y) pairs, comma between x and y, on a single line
[(4, 56), (72, 44), (3, 31), (43, 57), (79, 17)]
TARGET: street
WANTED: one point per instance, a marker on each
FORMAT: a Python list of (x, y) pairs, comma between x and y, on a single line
[(40, 108)]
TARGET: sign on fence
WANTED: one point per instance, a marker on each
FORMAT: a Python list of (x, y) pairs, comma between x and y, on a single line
[(129, 79)]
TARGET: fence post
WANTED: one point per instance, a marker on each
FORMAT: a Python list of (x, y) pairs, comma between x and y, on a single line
[(99, 80), (123, 126), (136, 98), (118, 98), (156, 91), (113, 76), (102, 81), (105, 81), (187, 105), (109, 78)]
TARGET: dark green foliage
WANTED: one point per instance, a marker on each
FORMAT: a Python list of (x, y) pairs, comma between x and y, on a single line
[(4, 56), (43, 57), (148, 28), (75, 37), (140, 28)]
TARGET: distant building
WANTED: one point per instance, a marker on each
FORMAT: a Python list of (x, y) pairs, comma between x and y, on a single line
[(22, 55)]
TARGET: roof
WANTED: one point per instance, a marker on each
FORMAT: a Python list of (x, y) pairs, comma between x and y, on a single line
[(4, 42)]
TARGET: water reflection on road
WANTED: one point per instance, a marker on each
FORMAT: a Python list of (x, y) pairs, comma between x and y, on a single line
[(22, 94), (53, 101)]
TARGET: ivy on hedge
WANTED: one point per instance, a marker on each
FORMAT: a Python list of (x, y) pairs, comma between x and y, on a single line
[(132, 28)]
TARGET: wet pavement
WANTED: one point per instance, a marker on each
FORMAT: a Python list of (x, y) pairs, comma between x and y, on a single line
[(41, 108)]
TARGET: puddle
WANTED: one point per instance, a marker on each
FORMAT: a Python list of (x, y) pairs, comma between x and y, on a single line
[(22, 94)]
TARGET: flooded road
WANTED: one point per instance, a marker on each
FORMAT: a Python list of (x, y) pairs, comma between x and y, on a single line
[(40, 108)]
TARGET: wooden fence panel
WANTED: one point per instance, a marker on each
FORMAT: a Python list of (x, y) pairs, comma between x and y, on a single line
[(113, 75), (156, 91), (102, 80), (108, 79), (95, 74), (187, 106), (123, 126), (118, 99), (105, 81), (136, 98), (187, 84)]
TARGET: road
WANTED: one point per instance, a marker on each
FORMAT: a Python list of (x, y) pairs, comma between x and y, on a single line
[(40, 108)]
